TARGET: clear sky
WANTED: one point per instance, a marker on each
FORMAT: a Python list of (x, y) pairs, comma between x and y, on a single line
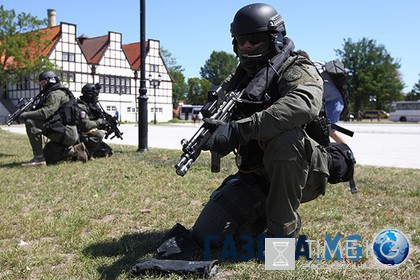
[(192, 29)]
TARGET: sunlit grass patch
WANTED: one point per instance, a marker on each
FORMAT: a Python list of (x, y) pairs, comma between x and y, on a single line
[(97, 220)]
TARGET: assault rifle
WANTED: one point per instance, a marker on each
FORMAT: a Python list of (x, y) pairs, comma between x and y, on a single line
[(218, 107), (111, 125), (22, 106)]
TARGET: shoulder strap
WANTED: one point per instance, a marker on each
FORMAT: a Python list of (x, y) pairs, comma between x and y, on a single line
[(263, 78)]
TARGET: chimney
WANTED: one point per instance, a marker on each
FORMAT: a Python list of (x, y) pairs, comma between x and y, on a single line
[(51, 17), (82, 38)]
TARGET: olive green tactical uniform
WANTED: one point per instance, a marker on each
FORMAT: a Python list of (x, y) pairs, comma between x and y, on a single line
[(88, 125), (35, 120), (279, 130), (292, 166)]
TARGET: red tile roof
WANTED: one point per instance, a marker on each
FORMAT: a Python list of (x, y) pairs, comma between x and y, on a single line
[(49, 35), (132, 51), (93, 48)]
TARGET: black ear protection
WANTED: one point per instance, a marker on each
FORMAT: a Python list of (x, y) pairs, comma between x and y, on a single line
[(97, 88)]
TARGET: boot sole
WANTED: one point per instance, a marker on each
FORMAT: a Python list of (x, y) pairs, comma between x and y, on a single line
[(41, 163), (81, 153)]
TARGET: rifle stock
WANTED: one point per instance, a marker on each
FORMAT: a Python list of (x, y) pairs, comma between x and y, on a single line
[(342, 129)]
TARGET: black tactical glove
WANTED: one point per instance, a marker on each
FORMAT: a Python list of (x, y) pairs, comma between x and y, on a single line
[(225, 137), (102, 123)]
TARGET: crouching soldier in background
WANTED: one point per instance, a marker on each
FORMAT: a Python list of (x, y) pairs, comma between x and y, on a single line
[(55, 117), (92, 122)]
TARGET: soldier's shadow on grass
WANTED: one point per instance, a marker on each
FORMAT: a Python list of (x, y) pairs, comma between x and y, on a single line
[(11, 164), (6, 155), (129, 249)]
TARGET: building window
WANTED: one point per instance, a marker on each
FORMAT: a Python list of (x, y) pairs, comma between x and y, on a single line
[(68, 77), (154, 68), (158, 110), (111, 108), (68, 56), (113, 84), (23, 83)]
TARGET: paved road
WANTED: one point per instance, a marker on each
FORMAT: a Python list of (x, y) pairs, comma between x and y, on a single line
[(378, 144)]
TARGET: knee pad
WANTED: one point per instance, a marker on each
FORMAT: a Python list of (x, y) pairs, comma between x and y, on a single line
[(236, 207), (54, 152)]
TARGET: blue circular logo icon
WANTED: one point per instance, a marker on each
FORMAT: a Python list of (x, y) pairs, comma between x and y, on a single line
[(391, 247)]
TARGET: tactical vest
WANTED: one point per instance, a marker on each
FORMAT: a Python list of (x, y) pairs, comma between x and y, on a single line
[(67, 114), (69, 111), (92, 109), (260, 92)]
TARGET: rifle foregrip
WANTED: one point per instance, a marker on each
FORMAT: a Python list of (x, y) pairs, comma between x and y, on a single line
[(353, 187), (215, 162)]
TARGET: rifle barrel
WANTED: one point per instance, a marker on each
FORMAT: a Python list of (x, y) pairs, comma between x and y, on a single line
[(22, 108)]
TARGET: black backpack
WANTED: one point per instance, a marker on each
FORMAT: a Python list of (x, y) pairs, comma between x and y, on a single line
[(338, 74)]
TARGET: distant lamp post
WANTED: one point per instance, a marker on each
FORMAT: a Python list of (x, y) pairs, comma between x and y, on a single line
[(372, 100), (155, 84), (119, 117)]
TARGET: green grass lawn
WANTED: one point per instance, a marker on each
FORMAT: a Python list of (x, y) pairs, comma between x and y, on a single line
[(97, 220)]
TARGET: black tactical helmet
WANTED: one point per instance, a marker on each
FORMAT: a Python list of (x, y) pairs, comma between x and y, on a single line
[(47, 79), (257, 23), (50, 76), (90, 92), (256, 18)]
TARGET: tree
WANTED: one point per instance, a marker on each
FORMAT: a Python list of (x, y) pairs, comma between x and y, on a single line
[(21, 46), (179, 87), (372, 71), (414, 94), (197, 90), (218, 67)]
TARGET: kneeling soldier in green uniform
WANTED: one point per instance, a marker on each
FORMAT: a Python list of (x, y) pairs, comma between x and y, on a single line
[(55, 117), (278, 163), (91, 120)]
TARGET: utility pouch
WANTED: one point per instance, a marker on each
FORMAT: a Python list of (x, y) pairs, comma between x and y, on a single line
[(318, 171)]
